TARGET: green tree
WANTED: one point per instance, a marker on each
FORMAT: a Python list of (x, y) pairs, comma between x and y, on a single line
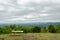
[(36, 29), (5, 30), (13, 27), (19, 27), (51, 29)]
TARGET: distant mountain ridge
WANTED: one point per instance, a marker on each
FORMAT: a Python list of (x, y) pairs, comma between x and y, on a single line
[(40, 24)]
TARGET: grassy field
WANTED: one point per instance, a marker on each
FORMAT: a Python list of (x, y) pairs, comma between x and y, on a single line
[(31, 36)]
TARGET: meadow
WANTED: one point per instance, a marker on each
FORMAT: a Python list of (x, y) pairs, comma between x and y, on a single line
[(31, 36)]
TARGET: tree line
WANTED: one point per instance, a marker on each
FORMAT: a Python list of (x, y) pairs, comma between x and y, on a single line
[(34, 29)]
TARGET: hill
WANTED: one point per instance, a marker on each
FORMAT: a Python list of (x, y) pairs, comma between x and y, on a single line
[(40, 24)]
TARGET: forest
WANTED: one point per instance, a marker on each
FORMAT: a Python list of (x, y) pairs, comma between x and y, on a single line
[(34, 29)]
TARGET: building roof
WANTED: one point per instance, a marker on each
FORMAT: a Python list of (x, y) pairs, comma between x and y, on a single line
[(18, 31)]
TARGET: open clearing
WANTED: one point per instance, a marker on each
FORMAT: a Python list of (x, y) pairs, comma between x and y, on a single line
[(31, 36)]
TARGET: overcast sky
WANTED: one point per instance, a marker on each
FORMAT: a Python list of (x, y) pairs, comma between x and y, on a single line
[(21, 11)]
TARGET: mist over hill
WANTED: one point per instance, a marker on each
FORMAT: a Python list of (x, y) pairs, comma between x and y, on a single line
[(40, 24)]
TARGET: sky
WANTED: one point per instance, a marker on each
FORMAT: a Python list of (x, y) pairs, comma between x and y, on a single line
[(24, 11)]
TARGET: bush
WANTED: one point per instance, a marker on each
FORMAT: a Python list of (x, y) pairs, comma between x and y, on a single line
[(51, 29), (36, 29)]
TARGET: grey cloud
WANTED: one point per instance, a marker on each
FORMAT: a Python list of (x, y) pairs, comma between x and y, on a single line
[(20, 11)]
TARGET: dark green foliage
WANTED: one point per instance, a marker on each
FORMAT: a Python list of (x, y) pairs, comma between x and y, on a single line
[(25, 30), (51, 29), (36, 29), (19, 28), (5, 30), (58, 29), (13, 27)]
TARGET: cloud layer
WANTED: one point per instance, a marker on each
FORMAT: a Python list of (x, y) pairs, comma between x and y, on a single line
[(12, 11)]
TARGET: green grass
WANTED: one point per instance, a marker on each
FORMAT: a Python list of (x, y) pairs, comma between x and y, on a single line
[(31, 36)]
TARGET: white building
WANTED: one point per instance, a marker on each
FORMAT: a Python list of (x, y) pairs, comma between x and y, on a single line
[(18, 31)]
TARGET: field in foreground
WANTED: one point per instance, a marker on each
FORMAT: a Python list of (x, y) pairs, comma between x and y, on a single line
[(31, 36)]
